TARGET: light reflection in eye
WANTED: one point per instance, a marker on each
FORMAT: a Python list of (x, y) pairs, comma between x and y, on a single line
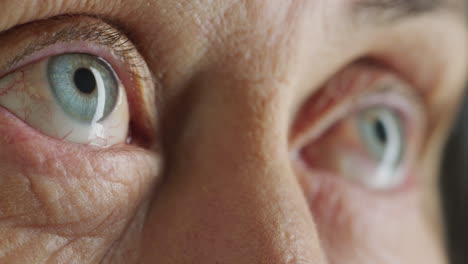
[(75, 97), (85, 86), (373, 141), (381, 132)]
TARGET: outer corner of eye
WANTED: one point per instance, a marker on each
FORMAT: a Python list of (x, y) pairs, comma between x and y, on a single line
[(76, 97)]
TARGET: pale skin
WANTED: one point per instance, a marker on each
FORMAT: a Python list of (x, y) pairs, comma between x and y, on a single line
[(211, 175)]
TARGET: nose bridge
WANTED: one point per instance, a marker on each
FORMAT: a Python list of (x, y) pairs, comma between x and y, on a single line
[(247, 162), (232, 184)]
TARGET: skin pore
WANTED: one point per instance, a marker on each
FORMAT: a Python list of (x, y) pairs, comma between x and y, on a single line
[(222, 96)]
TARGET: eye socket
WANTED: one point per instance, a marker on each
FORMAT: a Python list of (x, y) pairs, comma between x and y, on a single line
[(371, 138), (73, 96)]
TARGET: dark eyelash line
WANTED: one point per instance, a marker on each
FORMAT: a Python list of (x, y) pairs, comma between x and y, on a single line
[(96, 36), (96, 32), (326, 100)]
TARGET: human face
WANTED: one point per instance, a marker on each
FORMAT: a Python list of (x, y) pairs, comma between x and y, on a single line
[(236, 131)]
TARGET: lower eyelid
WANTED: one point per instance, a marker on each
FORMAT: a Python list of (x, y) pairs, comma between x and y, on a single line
[(71, 34), (314, 120), (135, 78), (22, 146)]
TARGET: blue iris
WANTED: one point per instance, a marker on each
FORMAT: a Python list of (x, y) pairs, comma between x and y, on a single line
[(85, 86), (381, 130)]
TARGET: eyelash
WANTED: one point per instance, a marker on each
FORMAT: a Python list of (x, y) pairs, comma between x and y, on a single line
[(342, 90), (350, 95), (103, 36), (102, 40), (338, 203)]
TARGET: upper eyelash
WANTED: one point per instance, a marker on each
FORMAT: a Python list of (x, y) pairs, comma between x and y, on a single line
[(332, 93), (96, 36), (97, 32)]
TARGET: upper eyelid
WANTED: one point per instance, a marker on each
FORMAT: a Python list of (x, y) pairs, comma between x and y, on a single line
[(97, 32), (390, 11), (346, 87), (87, 34)]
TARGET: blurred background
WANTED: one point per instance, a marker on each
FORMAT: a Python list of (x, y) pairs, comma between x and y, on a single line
[(454, 188)]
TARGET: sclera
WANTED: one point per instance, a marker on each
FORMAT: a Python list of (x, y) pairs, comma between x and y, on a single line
[(26, 93)]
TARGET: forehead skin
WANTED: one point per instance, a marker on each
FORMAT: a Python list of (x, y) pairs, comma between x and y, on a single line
[(295, 31), (258, 61)]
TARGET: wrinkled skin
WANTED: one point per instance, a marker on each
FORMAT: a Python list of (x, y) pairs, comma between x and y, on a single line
[(219, 185)]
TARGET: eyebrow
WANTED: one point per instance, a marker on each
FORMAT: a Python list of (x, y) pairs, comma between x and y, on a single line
[(392, 10)]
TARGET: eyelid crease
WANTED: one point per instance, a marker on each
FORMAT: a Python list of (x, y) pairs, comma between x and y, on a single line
[(349, 85), (394, 10), (88, 34), (412, 6), (97, 32)]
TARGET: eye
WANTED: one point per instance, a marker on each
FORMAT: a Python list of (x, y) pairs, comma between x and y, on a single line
[(381, 131), (84, 86), (370, 137), (73, 96)]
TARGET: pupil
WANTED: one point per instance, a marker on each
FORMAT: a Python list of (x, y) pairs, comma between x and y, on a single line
[(84, 80), (380, 132)]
